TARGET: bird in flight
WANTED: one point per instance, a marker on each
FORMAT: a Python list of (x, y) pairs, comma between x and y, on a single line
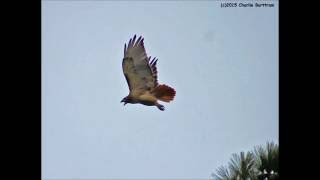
[(141, 75)]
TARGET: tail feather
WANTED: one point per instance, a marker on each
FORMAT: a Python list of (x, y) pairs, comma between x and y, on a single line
[(164, 93)]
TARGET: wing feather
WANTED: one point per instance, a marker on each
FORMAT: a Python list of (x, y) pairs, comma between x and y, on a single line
[(139, 71)]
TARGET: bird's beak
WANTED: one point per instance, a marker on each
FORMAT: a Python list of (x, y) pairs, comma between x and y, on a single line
[(122, 101)]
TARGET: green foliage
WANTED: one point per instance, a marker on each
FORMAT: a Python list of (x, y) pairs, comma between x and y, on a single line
[(260, 164), (222, 174), (267, 160)]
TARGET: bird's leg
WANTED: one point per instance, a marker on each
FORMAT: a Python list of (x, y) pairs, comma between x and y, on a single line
[(159, 106)]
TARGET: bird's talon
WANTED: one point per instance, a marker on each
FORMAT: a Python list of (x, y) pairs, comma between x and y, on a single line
[(161, 107)]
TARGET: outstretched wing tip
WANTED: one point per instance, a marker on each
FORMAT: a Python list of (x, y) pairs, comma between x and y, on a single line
[(147, 75)]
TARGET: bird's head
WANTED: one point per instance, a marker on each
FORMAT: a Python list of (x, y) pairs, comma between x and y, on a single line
[(126, 100)]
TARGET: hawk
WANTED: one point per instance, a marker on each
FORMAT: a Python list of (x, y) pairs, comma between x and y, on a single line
[(141, 75)]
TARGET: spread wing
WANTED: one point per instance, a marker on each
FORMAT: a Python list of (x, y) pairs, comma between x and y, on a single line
[(139, 70)]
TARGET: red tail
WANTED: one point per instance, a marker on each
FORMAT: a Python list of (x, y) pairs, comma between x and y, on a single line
[(164, 93)]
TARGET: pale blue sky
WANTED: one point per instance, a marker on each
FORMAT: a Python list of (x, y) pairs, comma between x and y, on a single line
[(223, 63)]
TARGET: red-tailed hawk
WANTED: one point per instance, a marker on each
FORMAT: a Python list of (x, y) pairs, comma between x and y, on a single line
[(141, 75)]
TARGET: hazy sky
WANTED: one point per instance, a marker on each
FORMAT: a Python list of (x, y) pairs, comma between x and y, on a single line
[(223, 63)]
